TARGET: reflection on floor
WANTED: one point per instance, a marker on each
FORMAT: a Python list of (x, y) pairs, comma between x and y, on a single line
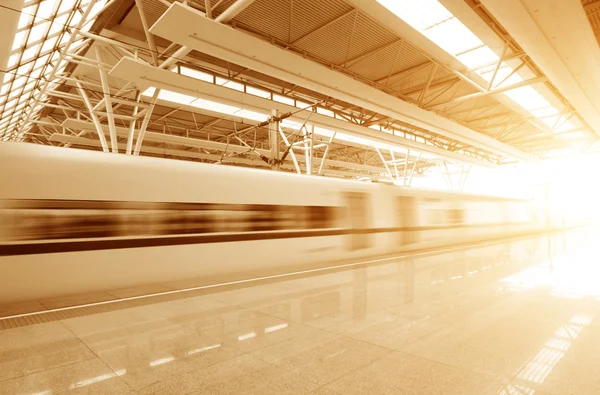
[(518, 318)]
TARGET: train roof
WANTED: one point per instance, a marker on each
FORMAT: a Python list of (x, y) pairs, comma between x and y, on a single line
[(13, 151)]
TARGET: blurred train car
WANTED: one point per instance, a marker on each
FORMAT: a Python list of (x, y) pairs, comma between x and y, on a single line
[(75, 221)]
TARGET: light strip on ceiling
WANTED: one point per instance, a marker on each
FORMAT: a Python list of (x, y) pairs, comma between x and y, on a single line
[(209, 105), (146, 76), (439, 25), (186, 26)]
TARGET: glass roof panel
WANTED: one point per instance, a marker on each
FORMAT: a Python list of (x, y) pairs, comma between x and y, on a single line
[(12, 61), (255, 116), (30, 52), (66, 6), (428, 13), (257, 92), (58, 24), (49, 44), (452, 36), (26, 17), (38, 32), (478, 57), (212, 106), (199, 75), (435, 22), (45, 9), (19, 40)]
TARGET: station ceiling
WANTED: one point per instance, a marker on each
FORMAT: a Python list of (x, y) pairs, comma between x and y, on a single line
[(380, 88)]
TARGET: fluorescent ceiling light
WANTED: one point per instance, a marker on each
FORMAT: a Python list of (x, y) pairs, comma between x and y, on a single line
[(260, 117), (439, 25)]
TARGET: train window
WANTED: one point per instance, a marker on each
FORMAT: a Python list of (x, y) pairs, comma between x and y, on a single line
[(358, 218), (73, 221), (320, 217), (407, 219), (455, 216)]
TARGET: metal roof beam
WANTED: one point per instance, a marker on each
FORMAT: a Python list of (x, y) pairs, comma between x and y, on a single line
[(196, 143), (146, 76), (191, 28), (570, 59)]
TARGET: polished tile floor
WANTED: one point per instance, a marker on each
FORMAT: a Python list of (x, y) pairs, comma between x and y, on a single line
[(517, 318)]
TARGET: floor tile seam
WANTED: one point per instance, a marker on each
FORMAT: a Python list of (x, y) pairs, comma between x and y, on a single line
[(45, 370), (479, 373), (356, 369), (325, 385), (97, 356), (185, 372), (519, 370)]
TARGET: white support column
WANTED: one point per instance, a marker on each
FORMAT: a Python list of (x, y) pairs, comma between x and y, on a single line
[(405, 166), (384, 163), (132, 126), (208, 8), (307, 150), (95, 119), (142, 132), (233, 10), (274, 141), (291, 151), (149, 36), (322, 165), (412, 172), (107, 102), (395, 165)]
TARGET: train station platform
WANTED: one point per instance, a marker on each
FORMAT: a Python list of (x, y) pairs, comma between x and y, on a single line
[(512, 318)]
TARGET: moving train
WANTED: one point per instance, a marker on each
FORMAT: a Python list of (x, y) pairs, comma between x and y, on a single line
[(76, 221)]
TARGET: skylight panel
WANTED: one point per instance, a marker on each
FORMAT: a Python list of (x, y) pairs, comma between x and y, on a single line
[(38, 32), (58, 24), (10, 105), (212, 106), (283, 99), (30, 53), (75, 18), (452, 36), (18, 82), (94, 13), (45, 9), (14, 92), (286, 123), (12, 60), (301, 104), (66, 6), (504, 77), (255, 116), (25, 68), (435, 22), (26, 17), (544, 112), (324, 111), (258, 92), (49, 44), (230, 84), (36, 73), (428, 13), (42, 60), (479, 56), (199, 75), (527, 97), (4, 89), (19, 40)]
